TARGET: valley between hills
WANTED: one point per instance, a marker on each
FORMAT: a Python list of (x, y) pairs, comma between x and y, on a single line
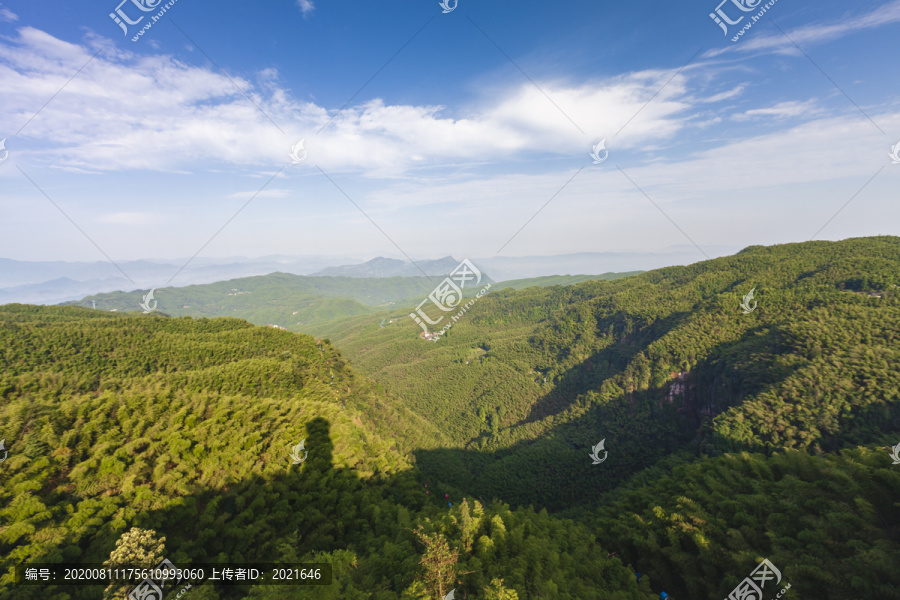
[(729, 436)]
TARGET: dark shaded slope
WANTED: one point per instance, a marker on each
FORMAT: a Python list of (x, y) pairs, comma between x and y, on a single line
[(654, 363)]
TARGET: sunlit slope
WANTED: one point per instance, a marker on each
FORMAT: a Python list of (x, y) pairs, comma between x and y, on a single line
[(295, 302), (92, 351), (645, 362), (185, 428), (549, 280), (290, 301)]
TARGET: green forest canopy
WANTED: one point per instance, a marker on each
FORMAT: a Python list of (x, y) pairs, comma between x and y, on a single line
[(298, 302), (731, 437)]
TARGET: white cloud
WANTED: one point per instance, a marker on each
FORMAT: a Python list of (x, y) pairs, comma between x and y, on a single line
[(7, 15), (155, 112), (783, 110), (306, 6), (728, 95), (810, 153)]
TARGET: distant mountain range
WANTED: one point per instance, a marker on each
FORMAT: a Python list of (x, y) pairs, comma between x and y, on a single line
[(56, 290), (158, 271), (52, 282), (506, 268), (298, 302), (391, 267)]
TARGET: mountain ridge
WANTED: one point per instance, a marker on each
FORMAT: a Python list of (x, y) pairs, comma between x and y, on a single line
[(296, 302), (731, 436), (391, 267)]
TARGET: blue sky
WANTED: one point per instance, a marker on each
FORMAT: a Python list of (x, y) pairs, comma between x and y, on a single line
[(476, 122)]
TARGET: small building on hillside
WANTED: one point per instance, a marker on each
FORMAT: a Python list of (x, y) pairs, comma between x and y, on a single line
[(677, 387)]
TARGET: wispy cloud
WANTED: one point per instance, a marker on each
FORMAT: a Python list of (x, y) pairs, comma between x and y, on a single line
[(885, 14), (306, 6), (727, 95), (198, 120), (822, 150), (783, 110), (7, 15)]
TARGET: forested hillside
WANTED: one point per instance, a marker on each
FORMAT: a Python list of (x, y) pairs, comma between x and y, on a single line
[(182, 429), (299, 303), (731, 435), (830, 523), (290, 301), (527, 382), (549, 280)]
